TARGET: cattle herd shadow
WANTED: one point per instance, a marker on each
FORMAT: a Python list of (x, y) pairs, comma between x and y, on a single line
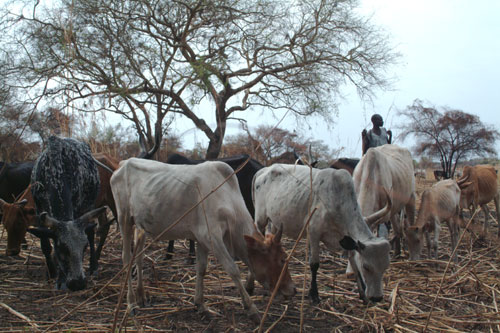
[(418, 296)]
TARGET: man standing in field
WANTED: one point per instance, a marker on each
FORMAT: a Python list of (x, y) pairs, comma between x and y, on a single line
[(377, 136)]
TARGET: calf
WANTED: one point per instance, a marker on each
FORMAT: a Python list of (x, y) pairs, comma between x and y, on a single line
[(479, 186), (439, 203), (16, 218), (282, 196), (153, 196), (65, 183)]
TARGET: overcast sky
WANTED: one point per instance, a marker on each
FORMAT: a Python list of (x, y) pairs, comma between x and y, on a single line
[(450, 57)]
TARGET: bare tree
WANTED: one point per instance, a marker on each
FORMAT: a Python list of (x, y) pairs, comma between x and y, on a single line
[(450, 135), (143, 59)]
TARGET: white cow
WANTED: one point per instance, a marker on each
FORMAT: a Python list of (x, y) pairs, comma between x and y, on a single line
[(382, 169), (153, 195), (281, 196), (439, 203)]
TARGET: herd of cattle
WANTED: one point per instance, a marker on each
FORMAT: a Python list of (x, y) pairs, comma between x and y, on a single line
[(58, 197)]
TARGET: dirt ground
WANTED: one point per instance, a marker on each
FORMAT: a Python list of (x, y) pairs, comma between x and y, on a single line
[(419, 296)]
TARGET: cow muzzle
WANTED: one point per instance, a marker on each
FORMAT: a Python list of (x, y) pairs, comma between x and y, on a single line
[(77, 284), (376, 299)]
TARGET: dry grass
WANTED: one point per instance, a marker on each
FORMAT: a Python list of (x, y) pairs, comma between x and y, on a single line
[(462, 299)]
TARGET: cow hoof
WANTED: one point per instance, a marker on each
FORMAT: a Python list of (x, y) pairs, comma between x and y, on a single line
[(133, 310), (255, 317), (202, 310), (314, 299)]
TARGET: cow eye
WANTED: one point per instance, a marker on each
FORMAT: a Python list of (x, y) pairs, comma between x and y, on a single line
[(367, 268)]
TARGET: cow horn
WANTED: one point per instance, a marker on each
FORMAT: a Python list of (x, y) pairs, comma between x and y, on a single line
[(2, 203), (87, 217), (373, 219), (462, 180), (22, 203)]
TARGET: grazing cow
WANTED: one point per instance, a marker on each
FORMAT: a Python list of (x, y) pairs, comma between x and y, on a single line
[(245, 176), (479, 186), (439, 203), (348, 164), (386, 168), (282, 195), (65, 183), (104, 198), (16, 218), (154, 195)]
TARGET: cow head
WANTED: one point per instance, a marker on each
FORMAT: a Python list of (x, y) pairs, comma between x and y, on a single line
[(415, 238), (70, 241), (267, 258), (369, 259), (16, 218)]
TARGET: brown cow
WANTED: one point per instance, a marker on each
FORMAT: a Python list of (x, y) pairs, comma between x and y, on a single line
[(105, 197), (479, 186), (17, 217)]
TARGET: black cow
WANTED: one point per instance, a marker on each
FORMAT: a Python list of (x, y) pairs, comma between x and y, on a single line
[(14, 179), (345, 163), (439, 174), (65, 183), (245, 176)]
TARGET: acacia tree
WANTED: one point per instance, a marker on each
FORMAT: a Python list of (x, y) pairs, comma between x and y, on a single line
[(449, 135), (144, 59)]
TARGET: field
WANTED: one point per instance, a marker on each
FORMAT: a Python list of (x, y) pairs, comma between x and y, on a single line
[(433, 296)]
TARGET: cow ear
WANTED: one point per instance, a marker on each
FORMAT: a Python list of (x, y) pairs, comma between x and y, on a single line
[(253, 243), (2, 203), (47, 221), (42, 232), (90, 227), (348, 243)]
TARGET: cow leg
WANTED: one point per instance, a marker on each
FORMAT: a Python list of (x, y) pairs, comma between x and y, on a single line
[(126, 229), (201, 268), (93, 260), (496, 199), (314, 265), (170, 250), (47, 252), (140, 239), (192, 252), (231, 268), (454, 234), (396, 241), (102, 231), (435, 241), (486, 213)]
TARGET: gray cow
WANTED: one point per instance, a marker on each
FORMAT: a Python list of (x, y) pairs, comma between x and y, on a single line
[(281, 195)]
